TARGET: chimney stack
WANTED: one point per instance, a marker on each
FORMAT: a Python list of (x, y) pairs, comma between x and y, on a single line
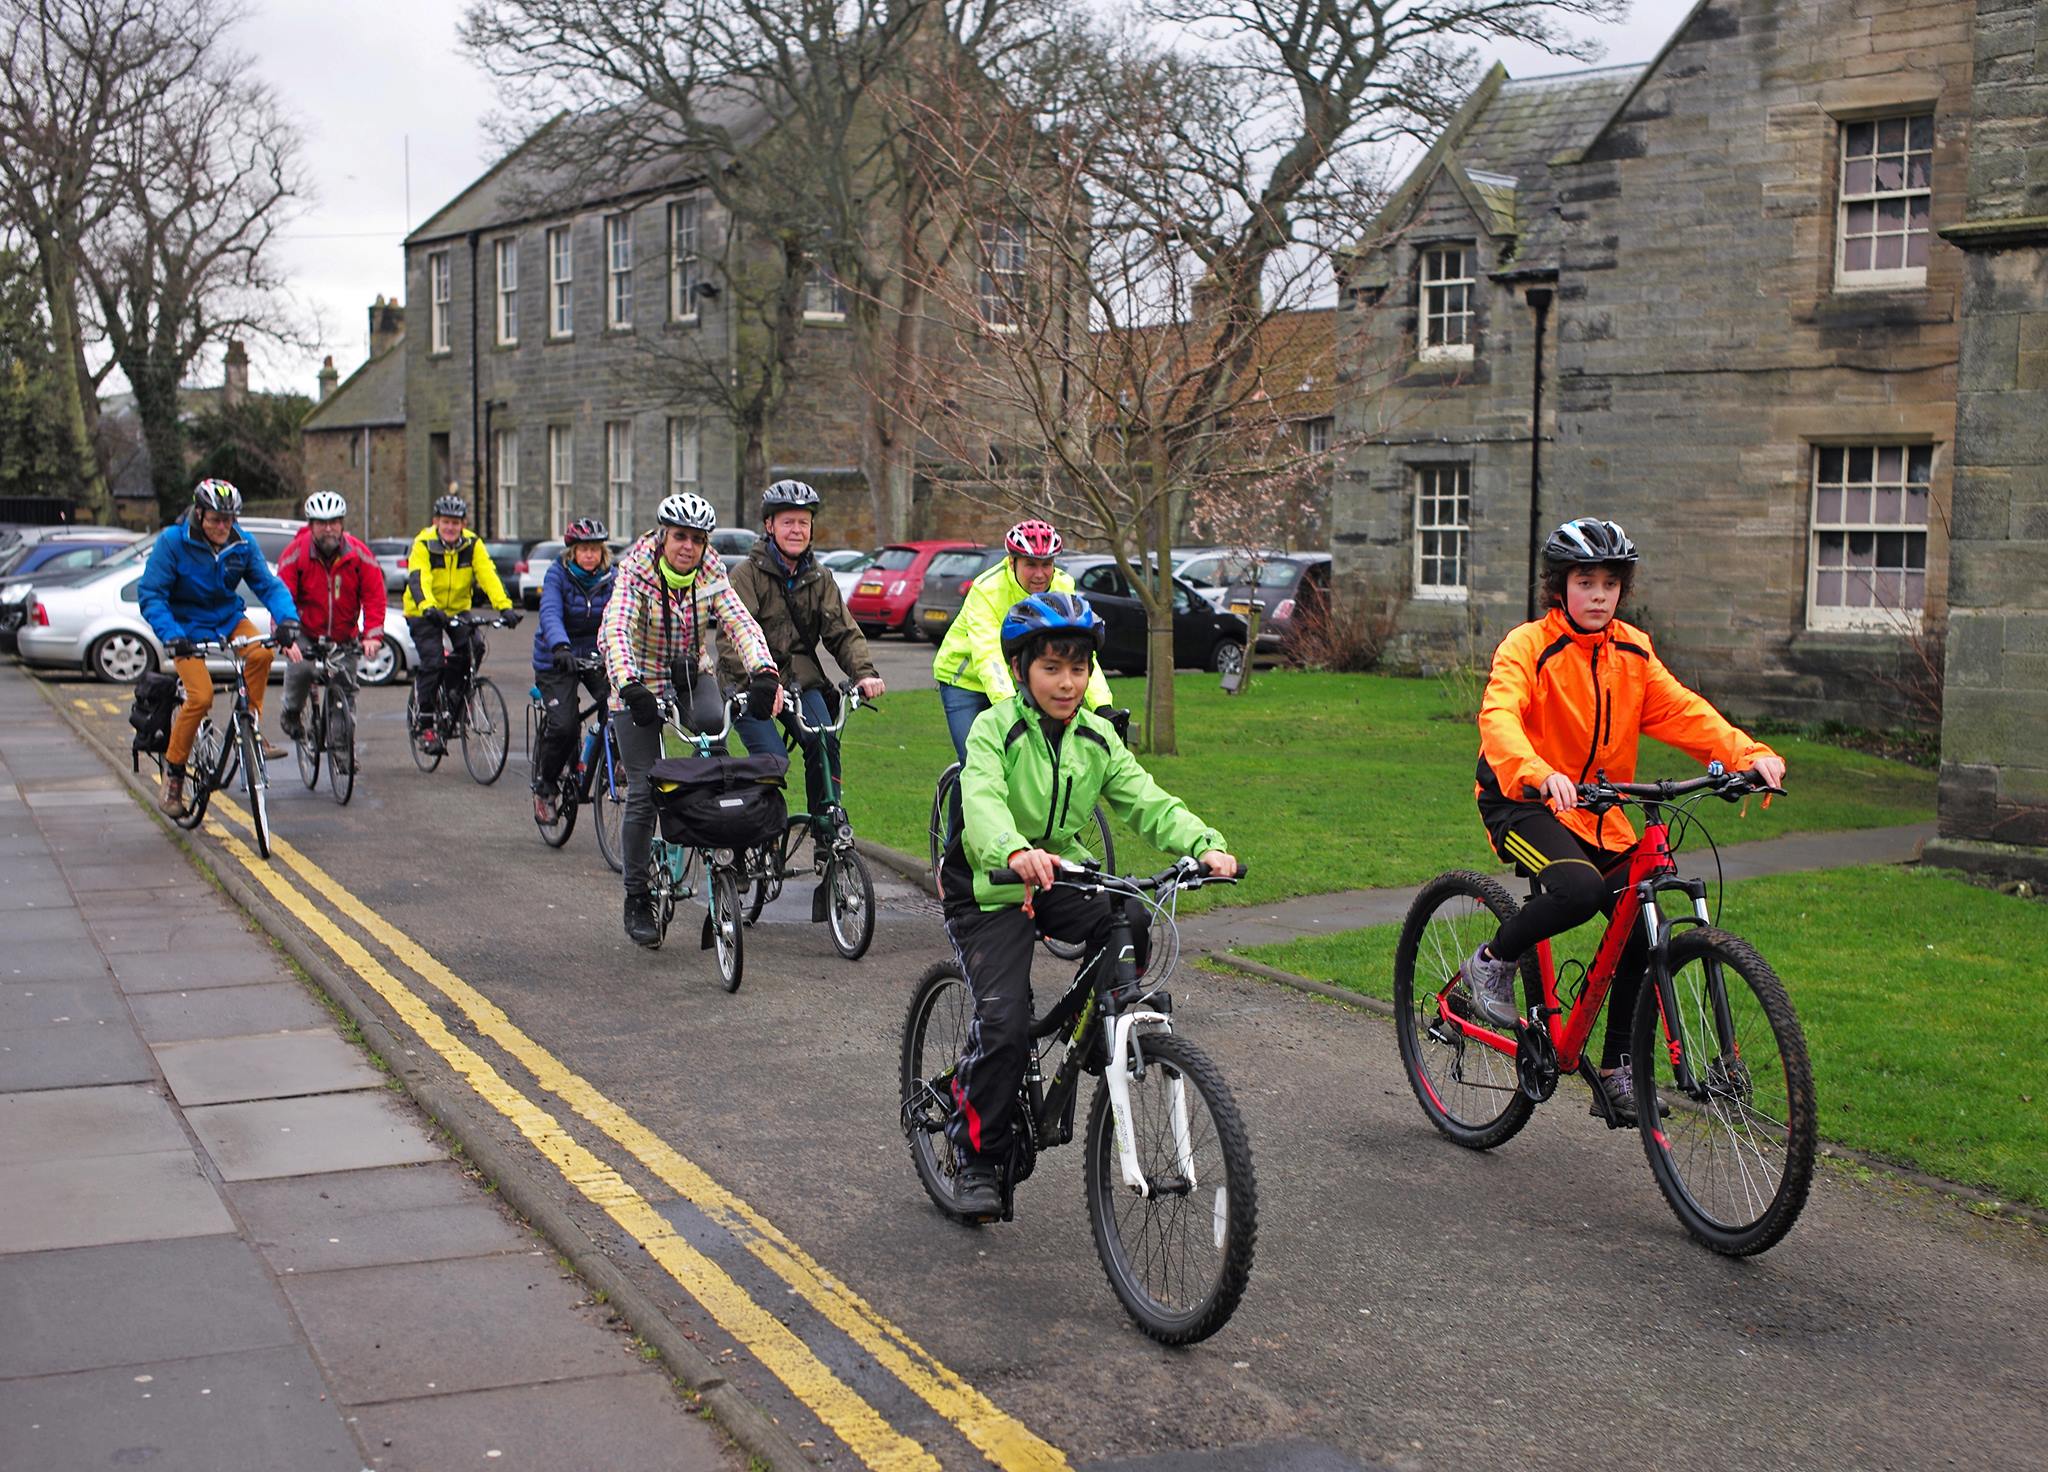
[(328, 377), (387, 326), (235, 387)]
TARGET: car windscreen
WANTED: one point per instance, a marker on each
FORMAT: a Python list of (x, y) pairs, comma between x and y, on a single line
[(959, 564), (1275, 572), (895, 559)]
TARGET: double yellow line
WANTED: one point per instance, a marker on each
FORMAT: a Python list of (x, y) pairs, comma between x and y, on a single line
[(1003, 1440)]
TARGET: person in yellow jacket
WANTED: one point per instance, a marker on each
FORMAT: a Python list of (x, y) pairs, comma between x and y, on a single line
[(447, 565), (1569, 696), (970, 667)]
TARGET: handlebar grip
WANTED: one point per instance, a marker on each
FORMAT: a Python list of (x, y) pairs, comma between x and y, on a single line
[(1004, 876), (1243, 871)]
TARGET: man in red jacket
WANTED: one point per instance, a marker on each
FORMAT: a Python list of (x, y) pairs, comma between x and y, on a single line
[(339, 589)]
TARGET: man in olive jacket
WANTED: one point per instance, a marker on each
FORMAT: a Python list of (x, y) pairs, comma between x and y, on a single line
[(798, 606)]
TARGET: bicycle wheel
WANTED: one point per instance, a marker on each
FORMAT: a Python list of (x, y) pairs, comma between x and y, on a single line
[(850, 903), (934, 1036), (307, 748), (256, 782), (555, 832), (425, 760), (940, 824), (728, 935), (1734, 1157), (1468, 1090), (205, 769), (487, 734), (1179, 1259), (341, 747)]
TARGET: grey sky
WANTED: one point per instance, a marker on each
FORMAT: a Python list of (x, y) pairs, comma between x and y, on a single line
[(364, 76)]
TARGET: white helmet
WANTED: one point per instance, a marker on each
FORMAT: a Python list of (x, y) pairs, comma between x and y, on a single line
[(688, 510), (325, 506)]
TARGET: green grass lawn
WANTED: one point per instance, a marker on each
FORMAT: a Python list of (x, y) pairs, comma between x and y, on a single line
[(1331, 782), (1920, 996)]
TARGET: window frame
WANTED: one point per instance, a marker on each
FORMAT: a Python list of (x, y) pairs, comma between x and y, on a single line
[(505, 265), (997, 311), (618, 470), (1468, 265), (1323, 428), (821, 275), (561, 251), (685, 267), (505, 478), (1845, 617), (685, 444), (618, 294), (561, 456), (1421, 474), (440, 300), (1888, 278)]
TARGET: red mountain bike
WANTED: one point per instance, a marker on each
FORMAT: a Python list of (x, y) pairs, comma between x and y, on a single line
[(1724, 1096)]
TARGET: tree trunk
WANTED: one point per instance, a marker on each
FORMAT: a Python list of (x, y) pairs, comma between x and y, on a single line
[(1161, 739), (60, 287), (753, 461), (1155, 572)]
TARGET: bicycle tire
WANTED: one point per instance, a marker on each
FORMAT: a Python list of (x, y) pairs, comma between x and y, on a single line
[(425, 760), (939, 826), (307, 748), (556, 833), (849, 903), (608, 796), (1144, 1241), (205, 768), (941, 1000), (341, 747), (1450, 918), (1735, 1161), (487, 733), (728, 935), (256, 783)]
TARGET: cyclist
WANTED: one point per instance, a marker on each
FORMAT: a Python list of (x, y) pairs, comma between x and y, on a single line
[(798, 605), (1037, 763), (970, 666), (188, 593), (572, 603), (444, 569), (1569, 696), (657, 637), (339, 589)]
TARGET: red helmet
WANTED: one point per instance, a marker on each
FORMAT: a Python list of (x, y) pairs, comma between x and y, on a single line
[(1033, 539)]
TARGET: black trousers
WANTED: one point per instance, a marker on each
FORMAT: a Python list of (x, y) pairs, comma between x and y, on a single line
[(995, 949), (558, 724), (438, 666), (1577, 881)]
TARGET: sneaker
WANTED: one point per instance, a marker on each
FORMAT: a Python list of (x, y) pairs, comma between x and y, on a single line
[(975, 1192), (172, 799), (1491, 982), (1620, 1089), (430, 742), (544, 807), (272, 752), (640, 926), (294, 728)]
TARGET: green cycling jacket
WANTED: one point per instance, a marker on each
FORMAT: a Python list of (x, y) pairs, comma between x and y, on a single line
[(971, 655), (1019, 790)]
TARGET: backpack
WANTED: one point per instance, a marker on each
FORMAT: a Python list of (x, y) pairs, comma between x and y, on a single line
[(720, 801), (156, 701)]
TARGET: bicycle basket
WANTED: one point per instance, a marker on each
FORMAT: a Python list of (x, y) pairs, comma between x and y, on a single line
[(720, 801), (156, 702)]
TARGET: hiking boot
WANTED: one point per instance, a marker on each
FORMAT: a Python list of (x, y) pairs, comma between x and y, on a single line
[(1492, 984), (172, 799), (640, 926), (1620, 1089), (976, 1193)]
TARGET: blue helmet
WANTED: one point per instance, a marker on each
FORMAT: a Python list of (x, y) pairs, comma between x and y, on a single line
[(1045, 614)]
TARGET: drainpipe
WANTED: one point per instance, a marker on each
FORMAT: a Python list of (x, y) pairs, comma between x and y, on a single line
[(366, 482), (1539, 298), (486, 518)]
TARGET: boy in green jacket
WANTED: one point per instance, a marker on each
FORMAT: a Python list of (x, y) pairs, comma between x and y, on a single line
[(1037, 763)]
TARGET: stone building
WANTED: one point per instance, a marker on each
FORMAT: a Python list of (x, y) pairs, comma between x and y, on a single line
[(1710, 298), (354, 440)]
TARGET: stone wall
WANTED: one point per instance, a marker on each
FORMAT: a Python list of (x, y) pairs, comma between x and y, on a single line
[(334, 462)]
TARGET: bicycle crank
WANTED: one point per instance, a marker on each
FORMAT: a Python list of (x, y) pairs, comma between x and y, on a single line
[(1535, 1060)]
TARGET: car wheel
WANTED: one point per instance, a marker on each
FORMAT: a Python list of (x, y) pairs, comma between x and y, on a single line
[(381, 668), (1227, 658), (120, 658)]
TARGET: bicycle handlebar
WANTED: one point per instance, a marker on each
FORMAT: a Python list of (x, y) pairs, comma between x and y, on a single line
[(850, 700), (1600, 794), (1183, 874), (672, 715)]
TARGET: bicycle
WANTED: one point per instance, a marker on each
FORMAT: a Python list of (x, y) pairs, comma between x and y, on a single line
[(479, 721), (217, 756), (846, 891), (1723, 1092), (1171, 1196), (674, 866), (597, 777), (330, 723), (945, 820)]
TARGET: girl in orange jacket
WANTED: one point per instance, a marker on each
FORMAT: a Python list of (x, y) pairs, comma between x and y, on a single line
[(1569, 695)]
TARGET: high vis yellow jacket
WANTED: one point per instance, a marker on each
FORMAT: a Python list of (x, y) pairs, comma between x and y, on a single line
[(447, 578), (971, 655), (1560, 700)]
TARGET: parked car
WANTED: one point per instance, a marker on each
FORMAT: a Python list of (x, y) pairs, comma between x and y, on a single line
[(1211, 570), (97, 626), (539, 558), (846, 564), (17, 595), (1293, 587), (733, 543), (67, 547), (391, 553), (946, 583), (48, 563), (1202, 637), (882, 598), (395, 656)]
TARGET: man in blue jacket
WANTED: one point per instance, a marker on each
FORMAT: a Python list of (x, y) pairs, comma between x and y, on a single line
[(188, 594), (572, 600)]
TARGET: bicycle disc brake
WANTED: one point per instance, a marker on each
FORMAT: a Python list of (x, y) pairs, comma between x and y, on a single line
[(1535, 1061)]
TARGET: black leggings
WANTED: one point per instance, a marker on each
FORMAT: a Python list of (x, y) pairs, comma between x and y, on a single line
[(1577, 881)]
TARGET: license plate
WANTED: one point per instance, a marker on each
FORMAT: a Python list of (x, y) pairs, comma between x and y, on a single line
[(1242, 610), (935, 615), (871, 589)]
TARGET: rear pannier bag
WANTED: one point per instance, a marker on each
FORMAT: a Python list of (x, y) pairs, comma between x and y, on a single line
[(720, 801), (156, 701)]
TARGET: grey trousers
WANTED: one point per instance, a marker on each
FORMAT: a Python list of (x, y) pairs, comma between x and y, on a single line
[(298, 682)]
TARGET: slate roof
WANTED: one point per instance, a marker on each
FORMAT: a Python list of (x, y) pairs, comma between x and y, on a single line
[(369, 398)]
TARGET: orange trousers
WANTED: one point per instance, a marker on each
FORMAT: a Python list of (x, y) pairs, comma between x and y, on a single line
[(198, 683)]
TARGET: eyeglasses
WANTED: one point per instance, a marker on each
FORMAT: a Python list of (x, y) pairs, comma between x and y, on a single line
[(688, 534)]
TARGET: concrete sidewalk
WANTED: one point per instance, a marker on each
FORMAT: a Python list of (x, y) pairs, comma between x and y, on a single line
[(224, 1243)]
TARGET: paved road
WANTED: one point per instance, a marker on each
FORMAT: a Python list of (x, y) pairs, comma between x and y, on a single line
[(1412, 1304)]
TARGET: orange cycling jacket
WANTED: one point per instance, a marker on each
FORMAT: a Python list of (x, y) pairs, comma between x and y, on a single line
[(1560, 700)]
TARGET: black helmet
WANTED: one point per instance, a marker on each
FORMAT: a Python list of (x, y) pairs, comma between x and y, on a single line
[(217, 495), (788, 495), (583, 529), (451, 505), (1585, 541)]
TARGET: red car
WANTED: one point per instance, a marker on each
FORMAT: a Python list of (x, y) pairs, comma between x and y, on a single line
[(881, 600)]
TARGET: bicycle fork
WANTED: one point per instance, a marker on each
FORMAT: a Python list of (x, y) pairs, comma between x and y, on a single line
[(1126, 1062)]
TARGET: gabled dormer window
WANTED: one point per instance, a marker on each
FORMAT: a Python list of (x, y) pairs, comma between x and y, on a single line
[(1444, 326)]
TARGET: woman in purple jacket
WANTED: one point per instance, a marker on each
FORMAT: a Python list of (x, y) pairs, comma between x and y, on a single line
[(572, 601)]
